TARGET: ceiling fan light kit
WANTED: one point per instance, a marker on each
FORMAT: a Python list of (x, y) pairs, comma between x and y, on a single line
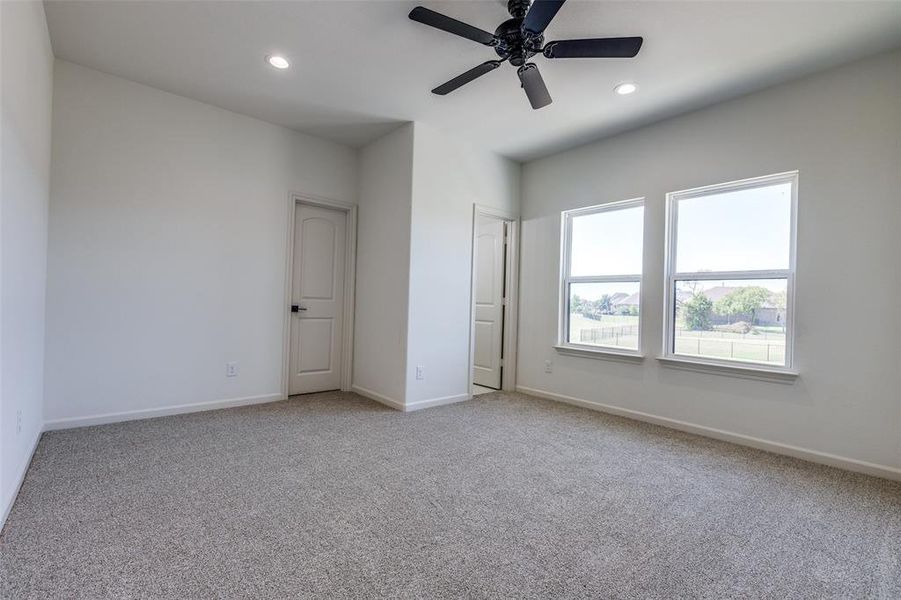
[(518, 39)]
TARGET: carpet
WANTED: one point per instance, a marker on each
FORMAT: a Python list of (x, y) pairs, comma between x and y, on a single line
[(332, 495)]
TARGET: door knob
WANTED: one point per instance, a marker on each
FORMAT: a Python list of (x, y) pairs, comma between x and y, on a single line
[(297, 307)]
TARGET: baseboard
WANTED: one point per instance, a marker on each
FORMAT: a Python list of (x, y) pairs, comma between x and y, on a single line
[(19, 480), (824, 458), (149, 413), (420, 404), (380, 398), (410, 406)]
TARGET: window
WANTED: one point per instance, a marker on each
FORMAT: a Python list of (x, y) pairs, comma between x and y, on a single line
[(730, 272), (601, 280)]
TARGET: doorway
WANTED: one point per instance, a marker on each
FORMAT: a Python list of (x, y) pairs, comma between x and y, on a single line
[(320, 296), (494, 284)]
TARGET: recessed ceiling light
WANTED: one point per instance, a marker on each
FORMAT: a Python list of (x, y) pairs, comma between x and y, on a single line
[(279, 62), (624, 89)]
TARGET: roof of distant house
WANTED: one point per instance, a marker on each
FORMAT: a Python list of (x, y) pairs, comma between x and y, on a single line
[(630, 300)]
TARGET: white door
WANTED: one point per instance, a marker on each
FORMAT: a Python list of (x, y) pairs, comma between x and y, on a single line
[(317, 299), (489, 302)]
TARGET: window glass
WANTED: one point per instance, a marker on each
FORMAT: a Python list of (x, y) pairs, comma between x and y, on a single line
[(742, 320), (607, 242), (604, 314), (740, 230)]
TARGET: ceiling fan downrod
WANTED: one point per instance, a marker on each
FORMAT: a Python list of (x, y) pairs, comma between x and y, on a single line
[(518, 8)]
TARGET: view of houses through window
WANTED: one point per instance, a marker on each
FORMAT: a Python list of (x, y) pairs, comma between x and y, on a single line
[(736, 320), (604, 314)]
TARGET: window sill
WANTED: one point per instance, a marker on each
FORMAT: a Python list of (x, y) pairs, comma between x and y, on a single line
[(750, 371), (600, 353)]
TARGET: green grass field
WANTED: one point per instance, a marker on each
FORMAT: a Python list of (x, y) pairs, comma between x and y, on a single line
[(766, 351), (762, 344)]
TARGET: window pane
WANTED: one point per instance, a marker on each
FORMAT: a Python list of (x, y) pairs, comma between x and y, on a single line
[(740, 230), (732, 320), (607, 243), (604, 314)]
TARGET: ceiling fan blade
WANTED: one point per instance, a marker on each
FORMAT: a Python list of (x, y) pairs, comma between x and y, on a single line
[(463, 79), (540, 15), (624, 47), (533, 84), (444, 23)]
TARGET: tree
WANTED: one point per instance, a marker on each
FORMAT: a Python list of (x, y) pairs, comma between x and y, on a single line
[(696, 312), (780, 299), (576, 305), (605, 304), (743, 301)]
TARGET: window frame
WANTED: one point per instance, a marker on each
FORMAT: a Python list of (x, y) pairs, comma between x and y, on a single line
[(671, 276), (565, 280)]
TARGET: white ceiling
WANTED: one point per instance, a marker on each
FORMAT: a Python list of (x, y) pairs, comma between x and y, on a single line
[(360, 68)]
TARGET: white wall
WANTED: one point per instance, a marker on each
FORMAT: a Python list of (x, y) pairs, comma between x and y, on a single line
[(449, 176), (383, 260), (414, 260), (27, 84), (167, 246), (841, 129)]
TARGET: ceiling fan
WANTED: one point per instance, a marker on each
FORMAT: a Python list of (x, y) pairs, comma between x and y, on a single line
[(518, 39)]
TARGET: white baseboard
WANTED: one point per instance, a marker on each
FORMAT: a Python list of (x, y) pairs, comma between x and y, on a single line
[(380, 398), (133, 415), (20, 478), (420, 404), (410, 406), (824, 458)]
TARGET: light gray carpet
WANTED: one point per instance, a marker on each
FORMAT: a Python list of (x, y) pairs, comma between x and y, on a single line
[(503, 496)]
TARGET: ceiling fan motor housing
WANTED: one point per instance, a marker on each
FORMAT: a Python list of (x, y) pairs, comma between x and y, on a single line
[(513, 44)]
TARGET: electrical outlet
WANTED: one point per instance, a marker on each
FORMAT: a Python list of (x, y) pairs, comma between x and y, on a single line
[(548, 366), (18, 421), (231, 369), (419, 372)]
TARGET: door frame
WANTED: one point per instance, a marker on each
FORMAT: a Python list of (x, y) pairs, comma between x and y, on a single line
[(350, 268), (511, 285)]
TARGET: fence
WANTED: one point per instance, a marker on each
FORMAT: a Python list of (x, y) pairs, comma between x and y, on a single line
[(608, 336), (706, 333), (761, 346)]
